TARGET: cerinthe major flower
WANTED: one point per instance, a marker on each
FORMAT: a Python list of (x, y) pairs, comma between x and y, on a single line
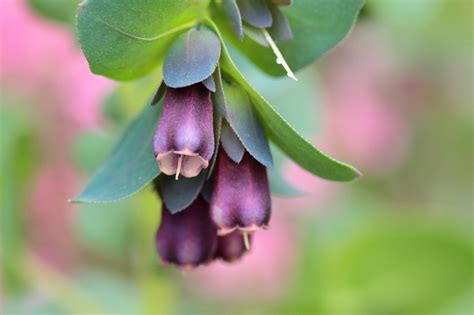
[(241, 195), (184, 141)]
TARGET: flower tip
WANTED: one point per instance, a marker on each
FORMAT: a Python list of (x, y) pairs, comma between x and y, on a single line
[(223, 231)]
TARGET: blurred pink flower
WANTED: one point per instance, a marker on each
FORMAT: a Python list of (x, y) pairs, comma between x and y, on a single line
[(41, 62), (362, 124), (262, 274)]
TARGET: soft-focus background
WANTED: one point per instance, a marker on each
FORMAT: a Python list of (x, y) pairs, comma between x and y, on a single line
[(395, 99)]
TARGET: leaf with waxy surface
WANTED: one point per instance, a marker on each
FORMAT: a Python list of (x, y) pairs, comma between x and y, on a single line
[(131, 165), (192, 58), (125, 39), (179, 194), (210, 83), (255, 12), (280, 30), (231, 144), (218, 98), (159, 94), (317, 26), (235, 19), (284, 136), (246, 124)]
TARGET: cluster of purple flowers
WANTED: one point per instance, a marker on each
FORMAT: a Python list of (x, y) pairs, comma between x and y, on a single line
[(239, 203), (236, 199)]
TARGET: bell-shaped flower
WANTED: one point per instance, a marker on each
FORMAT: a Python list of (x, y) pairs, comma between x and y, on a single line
[(187, 238), (184, 140), (232, 247), (241, 195)]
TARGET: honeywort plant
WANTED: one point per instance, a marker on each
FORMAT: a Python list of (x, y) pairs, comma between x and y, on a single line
[(203, 140)]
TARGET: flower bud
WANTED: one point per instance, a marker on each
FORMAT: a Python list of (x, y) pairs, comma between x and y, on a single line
[(241, 195), (187, 238), (231, 247), (184, 140)]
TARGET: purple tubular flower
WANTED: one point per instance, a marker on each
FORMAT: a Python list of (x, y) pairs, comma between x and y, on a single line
[(184, 140), (231, 247), (241, 195), (187, 238)]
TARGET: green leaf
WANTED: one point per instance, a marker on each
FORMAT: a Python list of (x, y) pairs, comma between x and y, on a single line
[(285, 137), (255, 12), (179, 194), (280, 29), (231, 143), (218, 98), (131, 166), (217, 138), (317, 26), (246, 124), (232, 11), (63, 11), (192, 58), (125, 39)]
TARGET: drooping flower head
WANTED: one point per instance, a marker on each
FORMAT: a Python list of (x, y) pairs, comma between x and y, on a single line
[(187, 238), (241, 195), (184, 140)]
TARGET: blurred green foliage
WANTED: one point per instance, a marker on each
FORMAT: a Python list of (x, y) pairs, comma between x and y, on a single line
[(18, 148)]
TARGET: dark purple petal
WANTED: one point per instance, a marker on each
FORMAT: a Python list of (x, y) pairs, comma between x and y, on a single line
[(187, 238), (241, 196), (231, 247), (185, 131)]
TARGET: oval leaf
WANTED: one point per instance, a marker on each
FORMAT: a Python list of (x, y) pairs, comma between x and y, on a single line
[(131, 166), (280, 29), (210, 83), (179, 194), (218, 98), (217, 136), (285, 137), (231, 144), (317, 26), (235, 19), (125, 39), (159, 94), (192, 58), (246, 124), (255, 12)]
